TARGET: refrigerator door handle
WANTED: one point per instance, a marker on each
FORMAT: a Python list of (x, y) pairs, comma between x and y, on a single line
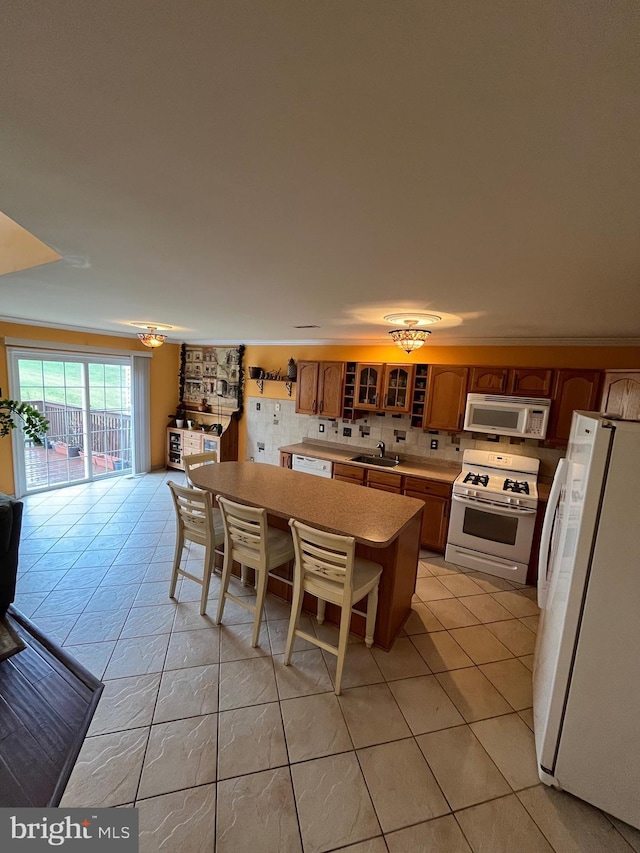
[(547, 531)]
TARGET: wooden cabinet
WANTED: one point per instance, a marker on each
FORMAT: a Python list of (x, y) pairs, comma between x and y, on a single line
[(384, 481), (182, 442), (397, 386), (530, 382), (621, 394), (419, 396), (446, 397), (286, 459), (488, 380), (349, 473), (320, 388), (348, 406), (517, 381), (572, 389), (368, 385), (436, 497)]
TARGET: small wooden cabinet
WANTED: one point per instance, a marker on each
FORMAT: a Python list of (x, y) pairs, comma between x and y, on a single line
[(286, 459), (488, 380), (349, 473), (530, 381), (436, 497), (516, 381), (621, 394), (182, 442), (368, 386), (446, 397), (320, 388), (384, 481), (397, 387), (419, 397), (572, 389)]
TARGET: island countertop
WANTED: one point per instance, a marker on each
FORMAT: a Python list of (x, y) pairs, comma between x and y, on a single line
[(386, 528), (373, 518)]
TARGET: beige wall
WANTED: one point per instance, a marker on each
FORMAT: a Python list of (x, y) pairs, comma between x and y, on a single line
[(165, 364)]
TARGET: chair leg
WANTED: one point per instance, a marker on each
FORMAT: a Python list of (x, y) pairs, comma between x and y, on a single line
[(209, 559), (372, 609), (176, 565), (345, 624), (244, 575), (224, 584), (321, 608), (296, 609), (262, 577)]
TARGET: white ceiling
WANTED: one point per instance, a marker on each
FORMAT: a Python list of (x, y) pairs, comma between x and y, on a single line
[(235, 168)]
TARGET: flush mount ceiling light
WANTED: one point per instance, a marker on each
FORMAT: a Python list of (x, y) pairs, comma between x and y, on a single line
[(410, 338), (151, 338)]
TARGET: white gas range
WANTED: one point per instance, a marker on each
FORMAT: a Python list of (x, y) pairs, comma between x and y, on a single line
[(493, 513)]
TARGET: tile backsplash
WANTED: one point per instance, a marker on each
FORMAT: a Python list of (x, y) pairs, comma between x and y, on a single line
[(275, 424)]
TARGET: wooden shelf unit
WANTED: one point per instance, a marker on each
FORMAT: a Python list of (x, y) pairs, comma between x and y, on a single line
[(419, 398)]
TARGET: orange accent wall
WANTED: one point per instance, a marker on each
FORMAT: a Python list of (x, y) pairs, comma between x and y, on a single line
[(165, 365)]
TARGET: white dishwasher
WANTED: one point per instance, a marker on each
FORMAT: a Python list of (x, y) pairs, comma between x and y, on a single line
[(309, 465)]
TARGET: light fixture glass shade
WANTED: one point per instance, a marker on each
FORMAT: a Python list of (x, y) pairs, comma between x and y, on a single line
[(151, 339), (409, 339)]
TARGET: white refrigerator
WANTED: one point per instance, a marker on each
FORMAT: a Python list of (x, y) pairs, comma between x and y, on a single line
[(586, 676)]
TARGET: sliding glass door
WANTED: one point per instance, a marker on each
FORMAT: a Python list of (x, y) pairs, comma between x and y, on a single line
[(87, 401)]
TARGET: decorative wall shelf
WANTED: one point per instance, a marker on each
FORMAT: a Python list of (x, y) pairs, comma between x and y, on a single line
[(288, 383)]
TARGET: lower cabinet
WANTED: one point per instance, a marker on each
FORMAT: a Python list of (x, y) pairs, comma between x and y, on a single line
[(286, 459), (183, 442), (436, 497), (349, 473)]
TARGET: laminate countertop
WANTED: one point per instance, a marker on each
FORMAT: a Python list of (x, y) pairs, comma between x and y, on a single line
[(446, 472), (373, 518)]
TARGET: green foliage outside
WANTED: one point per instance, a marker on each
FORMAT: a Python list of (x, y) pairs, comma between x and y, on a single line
[(62, 383)]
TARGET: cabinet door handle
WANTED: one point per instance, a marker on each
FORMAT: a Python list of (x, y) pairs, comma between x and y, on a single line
[(313, 407)]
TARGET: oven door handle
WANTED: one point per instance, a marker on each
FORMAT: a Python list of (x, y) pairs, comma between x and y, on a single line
[(505, 509)]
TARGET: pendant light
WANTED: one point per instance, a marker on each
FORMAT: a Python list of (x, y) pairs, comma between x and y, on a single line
[(151, 338)]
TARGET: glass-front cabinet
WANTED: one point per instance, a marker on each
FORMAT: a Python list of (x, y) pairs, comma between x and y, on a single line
[(368, 384), (398, 382)]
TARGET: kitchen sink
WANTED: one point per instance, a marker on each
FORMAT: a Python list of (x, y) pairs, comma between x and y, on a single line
[(382, 461)]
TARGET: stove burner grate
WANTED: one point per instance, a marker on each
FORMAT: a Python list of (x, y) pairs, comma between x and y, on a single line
[(520, 487), (477, 479)]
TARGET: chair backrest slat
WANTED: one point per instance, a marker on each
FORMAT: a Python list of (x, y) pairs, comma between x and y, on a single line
[(195, 460), (328, 556), (246, 530), (194, 513)]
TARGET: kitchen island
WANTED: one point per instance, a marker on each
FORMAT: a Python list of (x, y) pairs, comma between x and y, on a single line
[(386, 528)]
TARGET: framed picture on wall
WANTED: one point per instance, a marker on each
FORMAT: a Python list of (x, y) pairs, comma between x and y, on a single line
[(220, 369)]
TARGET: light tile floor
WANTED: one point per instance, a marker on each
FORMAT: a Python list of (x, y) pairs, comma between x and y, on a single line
[(222, 748)]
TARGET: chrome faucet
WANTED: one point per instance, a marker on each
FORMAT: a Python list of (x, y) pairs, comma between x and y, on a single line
[(381, 448)]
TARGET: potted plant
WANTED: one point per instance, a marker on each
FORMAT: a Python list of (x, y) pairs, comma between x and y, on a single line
[(34, 424), (179, 417)]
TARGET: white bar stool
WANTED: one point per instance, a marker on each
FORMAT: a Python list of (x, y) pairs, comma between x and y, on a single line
[(254, 544), (326, 566), (196, 521)]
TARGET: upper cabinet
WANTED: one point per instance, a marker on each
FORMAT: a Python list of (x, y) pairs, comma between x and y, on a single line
[(368, 386), (518, 381), (320, 388), (488, 380), (621, 394), (572, 389), (446, 397), (530, 382), (397, 387)]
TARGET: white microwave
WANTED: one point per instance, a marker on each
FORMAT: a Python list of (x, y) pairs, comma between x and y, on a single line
[(524, 417)]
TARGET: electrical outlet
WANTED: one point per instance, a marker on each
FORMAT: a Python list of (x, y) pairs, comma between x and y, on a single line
[(320, 427), (251, 459), (277, 407), (346, 432), (434, 444)]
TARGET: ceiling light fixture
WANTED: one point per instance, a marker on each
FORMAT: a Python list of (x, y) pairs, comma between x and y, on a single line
[(410, 338), (151, 338)]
